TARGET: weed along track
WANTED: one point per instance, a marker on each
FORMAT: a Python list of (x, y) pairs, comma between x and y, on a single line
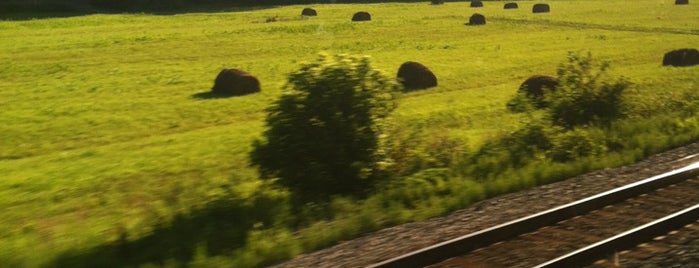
[(574, 234)]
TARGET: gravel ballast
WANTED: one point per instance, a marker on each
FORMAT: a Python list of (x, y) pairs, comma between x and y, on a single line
[(395, 241)]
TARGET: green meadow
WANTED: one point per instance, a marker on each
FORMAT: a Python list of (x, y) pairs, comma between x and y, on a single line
[(112, 153)]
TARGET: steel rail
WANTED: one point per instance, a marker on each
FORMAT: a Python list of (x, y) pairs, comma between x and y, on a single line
[(461, 245), (625, 240)]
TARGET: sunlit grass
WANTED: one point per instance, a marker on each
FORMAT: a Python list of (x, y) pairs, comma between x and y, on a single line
[(101, 131)]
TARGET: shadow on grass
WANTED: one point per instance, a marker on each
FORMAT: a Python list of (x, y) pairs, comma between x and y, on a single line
[(211, 95), (219, 228)]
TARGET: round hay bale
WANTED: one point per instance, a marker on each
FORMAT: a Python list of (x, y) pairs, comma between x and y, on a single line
[(535, 87), (309, 12), (541, 8), (414, 75), (235, 82), (512, 5), (681, 57), (361, 16), (681, 2), (437, 2), (476, 19), (476, 3)]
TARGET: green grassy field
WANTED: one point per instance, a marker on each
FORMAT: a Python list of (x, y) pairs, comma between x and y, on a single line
[(104, 130)]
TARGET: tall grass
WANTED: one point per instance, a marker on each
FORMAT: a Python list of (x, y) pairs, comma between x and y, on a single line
[(107, 146)]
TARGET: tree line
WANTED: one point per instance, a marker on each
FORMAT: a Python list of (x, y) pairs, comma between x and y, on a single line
[(9, 6)]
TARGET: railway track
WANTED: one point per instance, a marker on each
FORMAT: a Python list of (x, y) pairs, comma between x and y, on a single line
[(574, 234), (679, 248)]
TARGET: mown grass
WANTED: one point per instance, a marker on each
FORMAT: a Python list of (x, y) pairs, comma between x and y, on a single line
[(107, 145)]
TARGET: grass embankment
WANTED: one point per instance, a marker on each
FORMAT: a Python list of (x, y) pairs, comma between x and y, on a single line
[(111, 154)]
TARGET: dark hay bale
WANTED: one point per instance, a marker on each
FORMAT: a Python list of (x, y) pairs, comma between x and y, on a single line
[(541, 8), (361, 16), (681, 57), (414, 75), (309, 12), (511, 6), (476, 3), (235, 82), (681, 2), (476, 19), (535, 88), (437, 2)]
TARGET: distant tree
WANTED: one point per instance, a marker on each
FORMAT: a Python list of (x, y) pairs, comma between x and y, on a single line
[(138, 5), (324, 134)]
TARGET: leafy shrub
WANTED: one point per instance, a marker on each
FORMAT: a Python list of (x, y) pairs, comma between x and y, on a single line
[(324, 135), (586, 93), (530, 139), (414, 148), (512, 150), (577, 143), (413, 189), (521, 103)]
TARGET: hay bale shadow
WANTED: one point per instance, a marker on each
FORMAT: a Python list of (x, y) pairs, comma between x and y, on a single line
[(211, 95)]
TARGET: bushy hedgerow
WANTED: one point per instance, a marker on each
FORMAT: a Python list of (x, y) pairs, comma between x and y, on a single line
[(324, 135)]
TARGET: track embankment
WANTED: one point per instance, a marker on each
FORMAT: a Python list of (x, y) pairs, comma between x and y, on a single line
[(399, 240)]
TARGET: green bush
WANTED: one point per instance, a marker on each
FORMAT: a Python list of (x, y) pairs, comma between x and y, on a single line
[(530, 139), (414, 148), (586, 94), (521, 103), (512, 150), (325, 134), (577, 143)]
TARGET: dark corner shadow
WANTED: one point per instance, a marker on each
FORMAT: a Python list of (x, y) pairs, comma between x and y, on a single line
[(217, 229)]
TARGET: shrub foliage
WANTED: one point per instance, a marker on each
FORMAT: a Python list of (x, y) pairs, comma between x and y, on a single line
[(586, 98), (586, 93), (324, 134)]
